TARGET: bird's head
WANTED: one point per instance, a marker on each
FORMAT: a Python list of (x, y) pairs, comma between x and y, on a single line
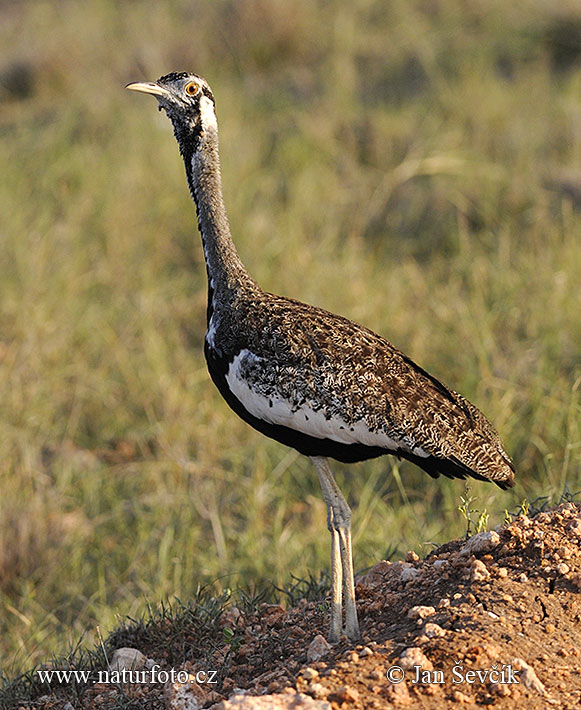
[(189, 103)]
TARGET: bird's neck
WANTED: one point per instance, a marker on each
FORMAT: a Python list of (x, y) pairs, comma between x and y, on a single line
[(226, 272)]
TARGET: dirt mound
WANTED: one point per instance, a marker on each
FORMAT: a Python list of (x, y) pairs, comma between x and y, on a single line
[(493, 620)]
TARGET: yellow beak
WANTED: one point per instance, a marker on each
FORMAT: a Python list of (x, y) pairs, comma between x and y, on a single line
[(147, 87)]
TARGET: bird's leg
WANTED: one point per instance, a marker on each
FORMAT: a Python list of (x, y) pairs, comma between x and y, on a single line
[(336, 581), (339, 523)]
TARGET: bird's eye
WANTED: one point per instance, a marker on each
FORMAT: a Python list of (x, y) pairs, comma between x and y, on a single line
[(192, 89)]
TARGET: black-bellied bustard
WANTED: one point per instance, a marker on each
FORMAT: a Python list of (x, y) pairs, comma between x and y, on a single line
[(310, 379)]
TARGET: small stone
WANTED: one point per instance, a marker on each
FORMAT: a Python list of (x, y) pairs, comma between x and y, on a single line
[(478, 571), (443, 603), (411, 556), (310, 674), (317, 691), (184, 696), (129, 659), (414, 656), (522, 577), (351, 656), (527, 676), (408, 573), (432, 630), (365, 651), (562, 568), (481, 542), (345, 694), (377, 574), (318, 648), (438, 564), (398, 694), (502, 572), (550, 628), (420, 612)]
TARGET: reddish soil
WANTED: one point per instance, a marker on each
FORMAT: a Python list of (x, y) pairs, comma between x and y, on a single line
[(505, 601)]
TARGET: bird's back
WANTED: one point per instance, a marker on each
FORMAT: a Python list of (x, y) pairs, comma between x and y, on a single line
[(329, 387)]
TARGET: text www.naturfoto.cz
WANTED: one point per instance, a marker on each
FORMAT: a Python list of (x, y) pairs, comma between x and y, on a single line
[(155, 675)]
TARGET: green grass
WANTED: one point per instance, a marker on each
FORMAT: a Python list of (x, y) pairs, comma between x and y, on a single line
[(413, 165)]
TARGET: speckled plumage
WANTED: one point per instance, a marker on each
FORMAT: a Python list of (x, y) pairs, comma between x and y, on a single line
[(310, 356)]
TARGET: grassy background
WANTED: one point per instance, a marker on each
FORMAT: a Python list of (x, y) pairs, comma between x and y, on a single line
[(412, 164)]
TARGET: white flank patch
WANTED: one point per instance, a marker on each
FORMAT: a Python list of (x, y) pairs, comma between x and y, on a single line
[(207, 114), (305, 419)]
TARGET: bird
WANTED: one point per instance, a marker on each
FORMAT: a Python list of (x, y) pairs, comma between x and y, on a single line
[(307, 378)]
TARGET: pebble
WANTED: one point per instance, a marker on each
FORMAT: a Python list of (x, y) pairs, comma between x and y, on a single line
[(398, 694), (317, 691), (421, 612), (346, 694), (184, 696), (414, 656), (129, 659), (481, 542), (318, 648), (310, 674), (478, 571), (432, 630), (562, 568), (377, 574), (502, 572), (527, 676), (408, 573), (365, 651)]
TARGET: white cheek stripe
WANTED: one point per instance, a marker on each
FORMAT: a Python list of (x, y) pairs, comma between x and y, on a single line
[(207, 114), (305, 419)]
